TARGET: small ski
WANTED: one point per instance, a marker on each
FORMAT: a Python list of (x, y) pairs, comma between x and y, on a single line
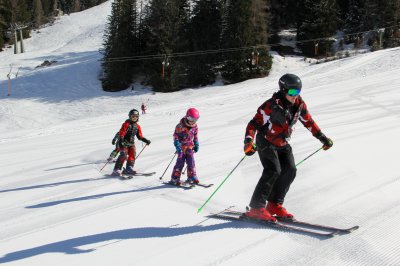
[(200, 184), (182, 185), (144, 174), (307, 224), (126, 177), (122, 177), (277, 225)]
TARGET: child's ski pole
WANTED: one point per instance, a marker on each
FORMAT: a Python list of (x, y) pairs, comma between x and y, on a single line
[(141, 151), (168, 166), (104, 165)]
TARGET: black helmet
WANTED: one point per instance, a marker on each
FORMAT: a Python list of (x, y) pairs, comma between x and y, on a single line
[(289, 81), (134, 112)]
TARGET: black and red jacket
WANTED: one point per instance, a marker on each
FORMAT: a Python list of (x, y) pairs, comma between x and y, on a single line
[(276, 117), (128, 132)]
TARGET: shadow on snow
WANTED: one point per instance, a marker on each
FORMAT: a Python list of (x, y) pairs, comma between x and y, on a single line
[(71, 246)]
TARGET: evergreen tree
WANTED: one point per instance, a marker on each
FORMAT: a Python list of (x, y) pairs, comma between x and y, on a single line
[(164, 34), (3, 22), (119, 41), (244, 24), (76, 6), (202, 36), (38, 14), (320, 19), (343, 10), (391, 17), (355, 17)]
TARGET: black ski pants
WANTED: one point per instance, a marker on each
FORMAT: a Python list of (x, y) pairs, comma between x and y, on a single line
[(277, 176)]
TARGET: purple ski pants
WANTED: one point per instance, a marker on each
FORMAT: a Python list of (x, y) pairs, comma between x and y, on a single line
[(188, 157)]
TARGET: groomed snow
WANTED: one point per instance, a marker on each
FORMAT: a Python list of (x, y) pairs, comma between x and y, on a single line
[(56, 208)]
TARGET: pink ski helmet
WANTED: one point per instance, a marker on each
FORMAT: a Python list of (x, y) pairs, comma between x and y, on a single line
[(192, 115)]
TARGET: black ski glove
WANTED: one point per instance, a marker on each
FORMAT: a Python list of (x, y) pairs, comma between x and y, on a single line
[(115, 139), (326, 142), (249, 147), (146, 141)]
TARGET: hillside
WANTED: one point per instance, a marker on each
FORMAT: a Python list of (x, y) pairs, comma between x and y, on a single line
[(56, 208)]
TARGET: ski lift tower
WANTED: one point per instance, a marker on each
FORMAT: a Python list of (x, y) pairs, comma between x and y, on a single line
[(17, 28)]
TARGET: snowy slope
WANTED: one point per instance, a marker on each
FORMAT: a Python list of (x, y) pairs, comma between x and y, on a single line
[(56, 208)]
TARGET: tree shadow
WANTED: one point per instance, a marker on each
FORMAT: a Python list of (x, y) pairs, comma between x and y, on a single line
[(71, 246), (91, 197), (71, 166), (54, 184)]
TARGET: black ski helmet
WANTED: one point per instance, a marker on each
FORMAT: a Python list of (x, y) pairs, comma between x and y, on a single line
[(288, 81), (133, 112)]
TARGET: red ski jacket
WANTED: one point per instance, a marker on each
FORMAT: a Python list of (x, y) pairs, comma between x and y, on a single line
[(129, 130), (275, 119)]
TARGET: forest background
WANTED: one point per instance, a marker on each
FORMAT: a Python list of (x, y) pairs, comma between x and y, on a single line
[(170, 45)]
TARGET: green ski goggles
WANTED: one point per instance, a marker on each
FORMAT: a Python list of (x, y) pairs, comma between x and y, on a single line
[(293, 91)]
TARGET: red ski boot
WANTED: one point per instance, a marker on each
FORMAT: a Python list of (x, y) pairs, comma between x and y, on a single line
[(260, 214), (278, 210)]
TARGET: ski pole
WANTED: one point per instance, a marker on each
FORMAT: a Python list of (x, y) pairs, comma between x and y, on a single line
[(223, 181), (309, 156), (168, 166), (141, 152), (104, 166), (184, 170)]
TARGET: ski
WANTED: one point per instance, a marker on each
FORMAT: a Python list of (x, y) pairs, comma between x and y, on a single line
[(130, 176), (200, 184), (318, 226), (144, 174), (307, 224), (277, 225), (126, 177), (182, 185)]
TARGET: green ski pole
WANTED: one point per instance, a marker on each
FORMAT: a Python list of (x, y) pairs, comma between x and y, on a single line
[(309, 156), (223, 181)]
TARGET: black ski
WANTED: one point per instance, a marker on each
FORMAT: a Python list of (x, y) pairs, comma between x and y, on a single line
[(307, 224), (318, 226), (126, 177), (200, 184), (144, 174), (182, 185), (277, 225)]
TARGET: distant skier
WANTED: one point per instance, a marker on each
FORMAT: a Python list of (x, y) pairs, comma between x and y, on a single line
[(129, 129), (144, 108), (186, 144), (273, 123)]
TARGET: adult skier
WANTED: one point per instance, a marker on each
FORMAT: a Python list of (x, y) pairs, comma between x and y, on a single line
[(129, 129), (186, 144), (273, 124)]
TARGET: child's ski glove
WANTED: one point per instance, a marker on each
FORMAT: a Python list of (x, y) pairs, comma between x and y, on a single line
[(115, 139), (196, 146), (146, 141), (177, 145)]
